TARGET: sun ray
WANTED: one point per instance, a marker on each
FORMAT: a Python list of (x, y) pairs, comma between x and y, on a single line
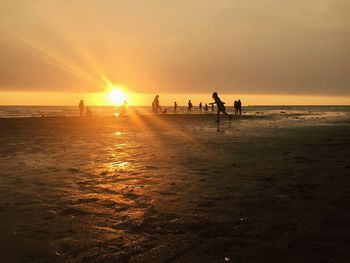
[(178, 134), (49, 54)]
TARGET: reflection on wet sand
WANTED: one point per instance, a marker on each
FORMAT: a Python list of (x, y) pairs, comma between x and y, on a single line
[(170, 188)]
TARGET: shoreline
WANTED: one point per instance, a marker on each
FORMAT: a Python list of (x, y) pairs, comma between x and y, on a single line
[(52, 111)]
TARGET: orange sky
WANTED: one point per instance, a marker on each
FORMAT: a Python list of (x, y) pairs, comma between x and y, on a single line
[(267, 52)]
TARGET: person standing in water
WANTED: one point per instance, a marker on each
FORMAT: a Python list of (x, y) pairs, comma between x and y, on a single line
[(235, 106), (155, 104), (221, 106), (125, 105), (200, 107), (206, 107), (81, 107), (239, 106), (189, 109), (175, 106)]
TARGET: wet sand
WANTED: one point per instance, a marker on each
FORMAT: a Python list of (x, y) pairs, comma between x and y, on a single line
[(173, 189)]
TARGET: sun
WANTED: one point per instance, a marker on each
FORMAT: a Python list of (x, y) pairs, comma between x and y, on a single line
[(116, 94), (117, 97)]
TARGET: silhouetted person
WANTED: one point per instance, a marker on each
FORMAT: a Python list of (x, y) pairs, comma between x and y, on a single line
[(175, 107), (212, 106), (189, 109), (200, 107), (221, 106), (125, 104), (206, 107), (239, 106), (155, 104), (81, 107), (88, 112), (235, 106)]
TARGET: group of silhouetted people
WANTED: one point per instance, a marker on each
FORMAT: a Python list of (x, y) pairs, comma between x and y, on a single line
[(237, 105), (221, 108), (88, 112), (156, 108), (190, 106)]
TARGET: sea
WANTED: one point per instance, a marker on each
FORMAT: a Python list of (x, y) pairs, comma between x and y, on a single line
[(66, 111)]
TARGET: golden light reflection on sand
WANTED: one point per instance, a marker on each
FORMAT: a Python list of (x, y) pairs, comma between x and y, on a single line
[(120, 164)]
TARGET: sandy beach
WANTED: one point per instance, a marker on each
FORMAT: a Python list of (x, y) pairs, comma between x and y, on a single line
[(170, 188)]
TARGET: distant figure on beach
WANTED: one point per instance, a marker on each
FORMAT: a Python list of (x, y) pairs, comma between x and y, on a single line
[(206, 107), (124, 109), (81, 107), (239, 106), (221, 106), (235, 106), (155, 104), (88, 112), (189, 109), (175, 107), (200, 107)]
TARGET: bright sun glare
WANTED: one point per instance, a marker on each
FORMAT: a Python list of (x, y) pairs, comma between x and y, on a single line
[(117, 96)]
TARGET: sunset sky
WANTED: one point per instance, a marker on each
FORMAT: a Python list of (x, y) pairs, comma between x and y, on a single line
[(263, 51)]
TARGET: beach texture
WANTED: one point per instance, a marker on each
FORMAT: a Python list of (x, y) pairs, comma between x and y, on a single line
[(170, 188)]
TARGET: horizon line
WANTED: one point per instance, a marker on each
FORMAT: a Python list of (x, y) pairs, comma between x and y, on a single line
[(250, 105)]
